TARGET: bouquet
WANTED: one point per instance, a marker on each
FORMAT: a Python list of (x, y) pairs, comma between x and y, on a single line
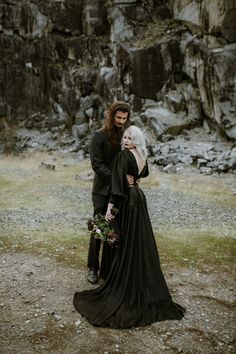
[(106, 231)]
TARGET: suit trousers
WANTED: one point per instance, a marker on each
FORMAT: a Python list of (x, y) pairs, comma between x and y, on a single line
[(100, 207)]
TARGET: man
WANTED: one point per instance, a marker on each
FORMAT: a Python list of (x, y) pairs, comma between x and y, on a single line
[(105, 144)]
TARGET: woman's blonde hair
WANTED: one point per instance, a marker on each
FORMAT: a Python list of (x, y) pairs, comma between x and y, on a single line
[(138, 139)]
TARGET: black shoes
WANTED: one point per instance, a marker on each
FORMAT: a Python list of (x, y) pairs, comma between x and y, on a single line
[(92, 277)]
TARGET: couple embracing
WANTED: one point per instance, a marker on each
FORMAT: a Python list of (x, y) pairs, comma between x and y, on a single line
[(134, 292)]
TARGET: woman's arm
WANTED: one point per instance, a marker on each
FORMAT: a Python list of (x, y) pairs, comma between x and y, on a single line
[(119, 183)]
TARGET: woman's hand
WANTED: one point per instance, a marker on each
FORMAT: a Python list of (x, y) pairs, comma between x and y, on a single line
[(109, 215)]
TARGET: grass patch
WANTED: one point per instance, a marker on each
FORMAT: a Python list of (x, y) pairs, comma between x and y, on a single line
[(68, 249), (198, 249), (71, 248), (155, 33), (214, 189), (207, 188), (4, 182), (24, 185)]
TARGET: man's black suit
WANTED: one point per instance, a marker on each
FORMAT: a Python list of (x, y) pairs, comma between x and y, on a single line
[(102, 156)]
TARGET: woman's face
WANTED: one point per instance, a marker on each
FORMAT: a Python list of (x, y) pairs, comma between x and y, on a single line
[(127, 141)]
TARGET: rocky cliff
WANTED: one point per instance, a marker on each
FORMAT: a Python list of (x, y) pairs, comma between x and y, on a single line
[(63, 61)]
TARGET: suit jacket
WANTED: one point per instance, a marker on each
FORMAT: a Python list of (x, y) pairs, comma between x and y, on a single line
[(102, 157)]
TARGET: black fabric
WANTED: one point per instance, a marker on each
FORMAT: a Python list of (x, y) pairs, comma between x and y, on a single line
[(100, 206), (135, 292), (102, 156)]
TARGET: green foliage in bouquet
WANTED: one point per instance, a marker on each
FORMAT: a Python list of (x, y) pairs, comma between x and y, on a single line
[(106, 231)]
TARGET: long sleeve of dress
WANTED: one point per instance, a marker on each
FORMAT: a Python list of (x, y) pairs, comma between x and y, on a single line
[(119, 183)]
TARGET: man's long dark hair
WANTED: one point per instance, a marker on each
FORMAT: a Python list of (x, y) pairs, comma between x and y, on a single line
[(114, 134)]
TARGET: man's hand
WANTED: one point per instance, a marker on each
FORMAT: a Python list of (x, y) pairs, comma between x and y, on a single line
[(131, 180)]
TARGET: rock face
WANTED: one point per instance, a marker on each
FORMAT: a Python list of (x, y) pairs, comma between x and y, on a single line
[(153, 67), (63, 61), (215, 17), (209, 58), (50, 53)]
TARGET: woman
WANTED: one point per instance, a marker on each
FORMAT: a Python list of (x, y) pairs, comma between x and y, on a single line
[(135, 292)]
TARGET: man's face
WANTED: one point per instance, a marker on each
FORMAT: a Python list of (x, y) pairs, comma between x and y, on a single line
[(120, 119)]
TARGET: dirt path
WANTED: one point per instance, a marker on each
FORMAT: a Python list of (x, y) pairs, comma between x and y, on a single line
[(37, 315), (43, 249)]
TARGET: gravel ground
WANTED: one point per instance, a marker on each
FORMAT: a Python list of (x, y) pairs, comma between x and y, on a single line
[(168, 207), (165, 207), (36, 292)]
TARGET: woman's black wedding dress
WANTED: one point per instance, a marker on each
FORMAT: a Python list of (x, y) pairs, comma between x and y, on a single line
[(135, 292)]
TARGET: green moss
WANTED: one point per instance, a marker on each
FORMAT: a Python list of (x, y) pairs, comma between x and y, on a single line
[(32, 186), (198, 249), (157, 32), (212, 189), (4, 182), (182, 249), (36, 189), (66, 248)]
